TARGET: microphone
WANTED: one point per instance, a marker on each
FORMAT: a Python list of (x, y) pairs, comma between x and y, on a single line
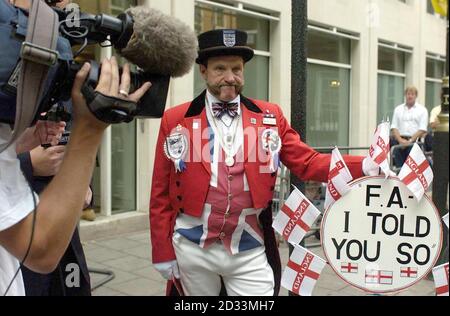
[(160, 44), (156, 42)]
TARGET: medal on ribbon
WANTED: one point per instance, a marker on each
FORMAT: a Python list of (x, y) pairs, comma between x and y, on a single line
[(271, 143), (176, 148)]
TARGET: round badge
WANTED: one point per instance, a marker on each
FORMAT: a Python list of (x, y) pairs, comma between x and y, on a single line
[(175, 146), (271, 141)]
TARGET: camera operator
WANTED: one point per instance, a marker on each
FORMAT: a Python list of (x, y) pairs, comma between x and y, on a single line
[(39, 239), (39, 166)]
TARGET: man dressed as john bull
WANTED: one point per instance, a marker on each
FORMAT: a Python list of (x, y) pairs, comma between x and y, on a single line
[(214, 177)]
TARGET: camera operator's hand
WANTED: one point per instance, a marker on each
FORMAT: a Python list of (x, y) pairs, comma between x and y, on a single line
[(110, 84), (44, 132), (121, 89), (46, 162)]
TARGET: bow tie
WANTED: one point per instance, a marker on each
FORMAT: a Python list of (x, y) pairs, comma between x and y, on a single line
[(219, 109)]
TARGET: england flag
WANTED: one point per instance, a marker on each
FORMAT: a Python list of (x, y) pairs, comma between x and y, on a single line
[(295, 218), (408, 272), (416, 172), (379, 276), (440, 274), (302, 271), (379, 150), (338, 179), (445, 219), (349, 267)]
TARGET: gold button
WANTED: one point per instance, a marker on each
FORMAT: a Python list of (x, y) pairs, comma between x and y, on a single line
[(222, 235), (230, 177), (227, 215), (230, 197)]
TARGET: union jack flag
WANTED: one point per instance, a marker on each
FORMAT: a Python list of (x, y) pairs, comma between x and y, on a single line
[(228, 214)]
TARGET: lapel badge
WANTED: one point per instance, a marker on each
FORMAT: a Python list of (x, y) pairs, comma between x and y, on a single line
[(269, 119), (253, 121)]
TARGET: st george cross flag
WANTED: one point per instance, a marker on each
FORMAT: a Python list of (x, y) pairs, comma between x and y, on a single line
[(338, 178), (302, 271), (295, 217), (440, 275), (445, 219), (348, 267), (416, 172), (379, 150), (408, 272), (379, 276)]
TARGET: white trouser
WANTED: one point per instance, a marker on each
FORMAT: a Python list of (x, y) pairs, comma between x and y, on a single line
[(245, 274)]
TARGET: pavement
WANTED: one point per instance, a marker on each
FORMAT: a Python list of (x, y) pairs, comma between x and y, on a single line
[(129, 257)]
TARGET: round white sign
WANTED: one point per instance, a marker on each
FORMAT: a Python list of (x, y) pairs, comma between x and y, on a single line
[(379, 238)]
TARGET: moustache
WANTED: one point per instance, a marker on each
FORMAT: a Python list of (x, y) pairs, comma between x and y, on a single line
[(229, 85)]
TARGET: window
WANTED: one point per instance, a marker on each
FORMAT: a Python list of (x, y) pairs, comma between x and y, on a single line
[(328, 89), (391, 78), (435, 72), (209, 17)]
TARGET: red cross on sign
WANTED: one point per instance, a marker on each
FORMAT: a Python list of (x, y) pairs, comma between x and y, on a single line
[(408, 272), (348, 267)]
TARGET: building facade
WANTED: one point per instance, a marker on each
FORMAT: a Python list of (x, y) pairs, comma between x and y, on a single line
[(361, 56)]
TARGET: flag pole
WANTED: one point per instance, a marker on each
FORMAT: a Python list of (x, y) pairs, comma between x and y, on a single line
[(298, 77), (440, 154)]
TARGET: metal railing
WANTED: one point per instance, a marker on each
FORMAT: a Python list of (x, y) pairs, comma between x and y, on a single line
[(395, 148)]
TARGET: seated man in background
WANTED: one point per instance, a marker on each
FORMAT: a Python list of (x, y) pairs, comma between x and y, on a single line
[(409, 124)]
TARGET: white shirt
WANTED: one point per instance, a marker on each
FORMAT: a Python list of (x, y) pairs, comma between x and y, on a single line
[(226, 125), (410, 120), (16, 202)]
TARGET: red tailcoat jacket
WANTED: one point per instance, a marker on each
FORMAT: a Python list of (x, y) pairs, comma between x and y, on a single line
[(173, 192)]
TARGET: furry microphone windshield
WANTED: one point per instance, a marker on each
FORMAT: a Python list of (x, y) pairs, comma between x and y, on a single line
[(160, 44)]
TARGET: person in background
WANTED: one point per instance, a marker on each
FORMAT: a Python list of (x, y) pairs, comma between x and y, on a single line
[(409, 124)]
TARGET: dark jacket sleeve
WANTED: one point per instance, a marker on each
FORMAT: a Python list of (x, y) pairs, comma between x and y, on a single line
[(26, 166)]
